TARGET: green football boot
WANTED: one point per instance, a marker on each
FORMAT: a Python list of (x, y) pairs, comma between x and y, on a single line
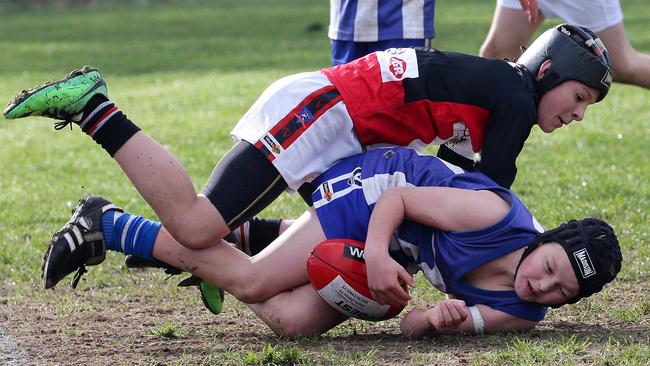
[(212, 296), (60, 99)]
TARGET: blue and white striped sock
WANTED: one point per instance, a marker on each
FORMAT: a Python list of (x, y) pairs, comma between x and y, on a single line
[(129, 234)]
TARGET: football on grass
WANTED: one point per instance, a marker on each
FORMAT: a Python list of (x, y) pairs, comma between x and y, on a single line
[(337, 272)]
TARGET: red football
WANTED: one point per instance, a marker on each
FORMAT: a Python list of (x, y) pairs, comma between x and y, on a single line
[(337, 272)]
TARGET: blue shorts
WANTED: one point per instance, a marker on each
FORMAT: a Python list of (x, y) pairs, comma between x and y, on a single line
[(346, 51), (339, 201)]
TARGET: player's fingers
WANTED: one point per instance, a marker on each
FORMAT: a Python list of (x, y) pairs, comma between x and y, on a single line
[(452, 315), (524, 5), (384, 296), (399, 296), (459, 307), (378, 297), (462, 310), (389, 300), (390, 295), (445, 315), (532, 11), (405, 278)]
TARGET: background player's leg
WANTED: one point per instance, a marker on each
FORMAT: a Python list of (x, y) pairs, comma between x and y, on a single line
[(509, 31), (630, 66)]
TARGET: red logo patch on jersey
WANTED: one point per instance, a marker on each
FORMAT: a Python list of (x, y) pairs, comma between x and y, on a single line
[(397, 67)]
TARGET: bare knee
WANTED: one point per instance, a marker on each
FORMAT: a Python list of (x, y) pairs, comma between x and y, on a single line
[(289, 328), (488, 49), (288, 324), (283, 316), (197, 226), (250, 290), (191, 239)]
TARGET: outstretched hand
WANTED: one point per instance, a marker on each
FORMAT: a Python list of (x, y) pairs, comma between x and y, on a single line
[(388, 281), (530, 7)]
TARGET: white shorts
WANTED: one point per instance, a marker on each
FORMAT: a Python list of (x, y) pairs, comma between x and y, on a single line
[(301, 125), (596, 15)]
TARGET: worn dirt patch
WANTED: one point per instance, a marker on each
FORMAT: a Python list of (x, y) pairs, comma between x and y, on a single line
[(124, 325)]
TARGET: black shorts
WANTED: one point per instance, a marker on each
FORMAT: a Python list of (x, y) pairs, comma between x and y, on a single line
[(244, 182)]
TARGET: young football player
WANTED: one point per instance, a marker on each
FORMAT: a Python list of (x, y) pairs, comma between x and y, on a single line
[(358, 28), (471, 238), (302, 124)]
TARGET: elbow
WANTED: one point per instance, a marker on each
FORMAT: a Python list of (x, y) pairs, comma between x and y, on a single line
[(410, 333)]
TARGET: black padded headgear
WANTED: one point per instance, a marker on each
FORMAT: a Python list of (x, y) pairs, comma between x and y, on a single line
[(577, 54), (593, 250)]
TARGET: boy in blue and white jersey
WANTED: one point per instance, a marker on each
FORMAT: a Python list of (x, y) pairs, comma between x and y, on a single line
[(358, 28), (444, 257), (471, 238)]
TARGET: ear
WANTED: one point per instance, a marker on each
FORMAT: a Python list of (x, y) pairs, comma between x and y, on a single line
[(542, 69)]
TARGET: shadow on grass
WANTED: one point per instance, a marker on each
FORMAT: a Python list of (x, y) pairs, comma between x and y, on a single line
[(582, 332)]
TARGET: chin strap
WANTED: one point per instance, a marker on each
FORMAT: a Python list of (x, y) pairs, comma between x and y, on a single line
[(526, 252)]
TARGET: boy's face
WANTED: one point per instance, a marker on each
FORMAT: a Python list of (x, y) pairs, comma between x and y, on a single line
[(546, 276), (564, 104)]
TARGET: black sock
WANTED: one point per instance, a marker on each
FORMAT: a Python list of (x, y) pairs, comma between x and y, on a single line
[(262, 233), (106, 124)]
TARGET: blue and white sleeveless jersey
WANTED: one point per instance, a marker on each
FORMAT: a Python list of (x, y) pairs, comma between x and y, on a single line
[(347, 192), (374, 20)]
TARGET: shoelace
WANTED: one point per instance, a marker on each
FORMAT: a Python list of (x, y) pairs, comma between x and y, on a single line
[(63, 124), (77, 276)]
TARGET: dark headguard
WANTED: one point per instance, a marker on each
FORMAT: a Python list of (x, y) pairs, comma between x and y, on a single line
[(593, 251), (577, 54)]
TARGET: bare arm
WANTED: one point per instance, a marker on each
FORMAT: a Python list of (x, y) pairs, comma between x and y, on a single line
[(450, 209), (453, 316)]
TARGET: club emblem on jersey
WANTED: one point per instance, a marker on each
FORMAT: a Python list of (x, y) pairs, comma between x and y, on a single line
[(327, 191), (270, 142), (355, 178), (304, 117), (397, 67)]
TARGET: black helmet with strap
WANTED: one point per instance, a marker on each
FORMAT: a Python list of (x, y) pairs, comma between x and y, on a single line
[(592, 248), (576, 54)]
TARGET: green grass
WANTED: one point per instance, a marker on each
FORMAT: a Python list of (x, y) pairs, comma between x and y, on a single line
[(185, 71), (166, 330)]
